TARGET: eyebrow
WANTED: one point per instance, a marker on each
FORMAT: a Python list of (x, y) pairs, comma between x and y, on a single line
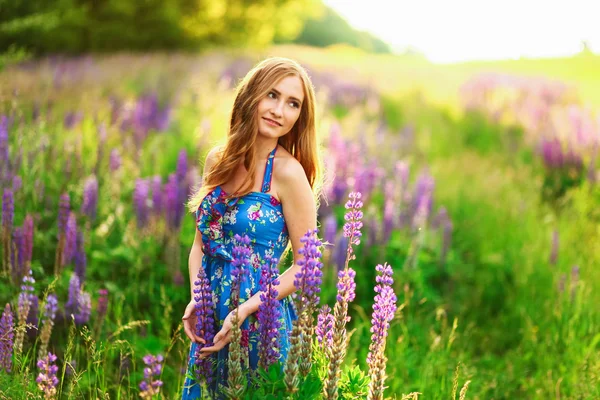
[(291, 97)]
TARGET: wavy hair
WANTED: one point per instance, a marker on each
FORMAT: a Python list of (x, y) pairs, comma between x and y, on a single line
[(300, 142)]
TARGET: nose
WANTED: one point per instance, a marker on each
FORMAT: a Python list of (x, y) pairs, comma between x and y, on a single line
[(277, 109)]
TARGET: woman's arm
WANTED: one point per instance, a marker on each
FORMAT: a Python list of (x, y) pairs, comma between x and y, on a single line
[(195, 261), (194, 265), (299, 211), (196, 254)]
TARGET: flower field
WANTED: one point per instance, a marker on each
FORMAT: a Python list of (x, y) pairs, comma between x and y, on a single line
[(459, 229)]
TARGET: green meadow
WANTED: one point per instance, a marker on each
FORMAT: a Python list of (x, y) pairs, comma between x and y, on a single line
[(503, 305)]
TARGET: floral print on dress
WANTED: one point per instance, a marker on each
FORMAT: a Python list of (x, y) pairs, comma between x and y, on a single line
[(254, 212), (260, 216)]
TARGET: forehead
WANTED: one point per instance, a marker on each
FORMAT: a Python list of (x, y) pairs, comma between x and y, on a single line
[(290, 86)]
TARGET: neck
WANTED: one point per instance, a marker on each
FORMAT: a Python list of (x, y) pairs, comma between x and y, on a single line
[(264, 146)]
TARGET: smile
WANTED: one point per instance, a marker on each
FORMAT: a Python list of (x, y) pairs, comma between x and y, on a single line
[(271, 122)]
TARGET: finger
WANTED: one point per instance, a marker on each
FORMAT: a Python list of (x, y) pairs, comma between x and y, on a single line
[(188, 331), (206, 351), (221, 335)]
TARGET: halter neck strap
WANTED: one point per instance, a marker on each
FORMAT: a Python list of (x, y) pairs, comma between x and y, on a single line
[(266, 184)]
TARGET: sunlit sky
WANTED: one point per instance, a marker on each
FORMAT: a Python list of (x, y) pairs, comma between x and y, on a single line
[(460, 30)]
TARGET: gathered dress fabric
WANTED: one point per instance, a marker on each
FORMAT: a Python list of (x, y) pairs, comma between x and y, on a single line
[(258, 215)]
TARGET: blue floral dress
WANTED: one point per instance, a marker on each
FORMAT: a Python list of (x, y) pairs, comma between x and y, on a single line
[(258, 215)]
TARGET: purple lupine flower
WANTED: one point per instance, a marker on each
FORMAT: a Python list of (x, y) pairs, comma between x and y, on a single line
[(8, 210), (17, 255), (140, 201), (84, 308), (389, 217), (33, 317), (27, 242), (205, 324), (422, 200), (51, 307), (236, 379), (72, 118), (7, 333), (353, 223), (73, 300), (374, 229), (308, 280), (157, 195), (268, 314), (115, 160), (241, 260), (17, 183), (346, 286), (80, 257), (182, 166), (306, 298), (171, 200), (330, 228), (63, 213), (340, 251), (89, 206), (554, 250), (70, 239), (346, 293), (4, 154), (151, 385), (182, 185), (47, 380), (384, 309), (324, 328), (48, 323), (25, 296)]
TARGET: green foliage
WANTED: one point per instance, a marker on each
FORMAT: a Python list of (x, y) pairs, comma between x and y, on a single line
[(74, 26), (330, 28), (270, 384), (353, 384)]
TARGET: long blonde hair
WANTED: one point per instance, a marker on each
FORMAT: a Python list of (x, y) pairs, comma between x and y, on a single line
[(301, 142)]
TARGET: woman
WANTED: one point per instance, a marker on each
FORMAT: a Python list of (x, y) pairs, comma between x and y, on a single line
[(263, 183)]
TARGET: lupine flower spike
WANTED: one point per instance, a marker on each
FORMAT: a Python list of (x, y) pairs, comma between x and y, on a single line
[(48, 324), (236, 379), (308, 283), (205, 325), (384, 309), (268, 314), (7, 334), (23, 311), (151, 385), (47, 380), (346, 293)]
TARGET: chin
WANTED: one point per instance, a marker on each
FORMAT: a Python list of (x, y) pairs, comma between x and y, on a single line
[(270, 133)]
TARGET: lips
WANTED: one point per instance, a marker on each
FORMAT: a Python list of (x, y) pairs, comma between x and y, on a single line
[(270, 120)]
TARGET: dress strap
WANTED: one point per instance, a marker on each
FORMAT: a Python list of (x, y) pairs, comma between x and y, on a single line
[(266, 185)]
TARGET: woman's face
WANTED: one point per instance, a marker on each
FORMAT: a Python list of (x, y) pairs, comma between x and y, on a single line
[(280, 109)]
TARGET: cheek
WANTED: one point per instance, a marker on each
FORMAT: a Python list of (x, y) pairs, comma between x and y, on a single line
[(293, 117)]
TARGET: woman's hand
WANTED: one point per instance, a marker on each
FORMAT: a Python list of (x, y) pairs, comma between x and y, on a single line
[(223, 337), (189, 323)]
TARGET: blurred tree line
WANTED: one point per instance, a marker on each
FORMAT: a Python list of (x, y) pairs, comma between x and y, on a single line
[(75, 26)]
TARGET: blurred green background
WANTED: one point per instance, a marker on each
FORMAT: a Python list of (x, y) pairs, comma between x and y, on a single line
[(495, 274)]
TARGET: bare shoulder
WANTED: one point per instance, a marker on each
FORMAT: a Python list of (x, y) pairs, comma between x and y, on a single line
[(212, 157), (288, 171)]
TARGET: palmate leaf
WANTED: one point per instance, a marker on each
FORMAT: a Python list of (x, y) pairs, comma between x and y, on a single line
[(270, 384), (354, 383)]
